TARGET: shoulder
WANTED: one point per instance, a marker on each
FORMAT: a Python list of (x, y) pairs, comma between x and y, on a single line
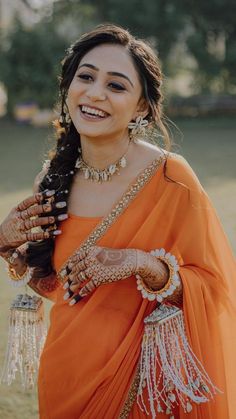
[(179, 170), (175, 166)]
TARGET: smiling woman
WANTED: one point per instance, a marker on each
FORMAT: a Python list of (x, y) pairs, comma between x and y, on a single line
[(131, 252)]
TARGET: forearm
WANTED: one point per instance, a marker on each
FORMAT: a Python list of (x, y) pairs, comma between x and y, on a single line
[(46, 286), (5, 248), (18, 268)]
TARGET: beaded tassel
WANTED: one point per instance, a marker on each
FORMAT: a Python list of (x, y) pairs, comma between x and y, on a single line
[(26, 337), (182, 379)]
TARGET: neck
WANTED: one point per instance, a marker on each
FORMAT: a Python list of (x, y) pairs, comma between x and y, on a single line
[(99, 153)]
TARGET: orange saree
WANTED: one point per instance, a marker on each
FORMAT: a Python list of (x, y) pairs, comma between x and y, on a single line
[(88, 365)]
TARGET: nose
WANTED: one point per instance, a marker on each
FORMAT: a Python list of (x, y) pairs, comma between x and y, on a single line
[(96, 92)]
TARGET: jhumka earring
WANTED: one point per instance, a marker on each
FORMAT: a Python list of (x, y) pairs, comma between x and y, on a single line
[(138, 128)]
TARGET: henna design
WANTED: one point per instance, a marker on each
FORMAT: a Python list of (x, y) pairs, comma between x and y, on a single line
[(36, 236), (35, 199), (44, 286), (16, 227), (110, 257), (103, 265)]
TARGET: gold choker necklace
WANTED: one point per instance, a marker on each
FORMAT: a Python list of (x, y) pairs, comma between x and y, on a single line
[(101, 175)]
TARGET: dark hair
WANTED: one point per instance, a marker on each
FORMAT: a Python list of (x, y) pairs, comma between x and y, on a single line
[(63, 159)]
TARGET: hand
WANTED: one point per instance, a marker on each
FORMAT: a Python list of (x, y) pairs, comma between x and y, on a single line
[(98, 266), (16, 228)]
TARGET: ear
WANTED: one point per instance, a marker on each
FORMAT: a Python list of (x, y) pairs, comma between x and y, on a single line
[(142, 109)]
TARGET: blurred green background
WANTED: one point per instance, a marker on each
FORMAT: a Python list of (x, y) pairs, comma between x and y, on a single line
[(196, 44)]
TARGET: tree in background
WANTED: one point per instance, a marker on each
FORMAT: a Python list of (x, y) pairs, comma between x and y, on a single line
[(30, 57), (212, 42), (207, 28), (159, 21), (29, 65)]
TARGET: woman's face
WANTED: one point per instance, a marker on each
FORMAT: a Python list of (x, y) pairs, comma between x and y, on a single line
[(104, 95)]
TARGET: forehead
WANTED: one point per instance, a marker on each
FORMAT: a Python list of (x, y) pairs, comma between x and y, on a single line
[(111, 58)]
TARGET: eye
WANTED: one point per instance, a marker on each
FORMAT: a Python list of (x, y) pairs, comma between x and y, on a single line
[(116, 86), (86, 77)]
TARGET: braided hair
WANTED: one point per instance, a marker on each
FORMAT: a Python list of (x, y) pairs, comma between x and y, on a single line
[(61, 169)]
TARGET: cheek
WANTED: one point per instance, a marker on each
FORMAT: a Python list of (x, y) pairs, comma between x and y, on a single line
[(125, 107), (73, 92)]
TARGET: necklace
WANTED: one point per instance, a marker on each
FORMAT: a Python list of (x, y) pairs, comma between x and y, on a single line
[(101, 175)]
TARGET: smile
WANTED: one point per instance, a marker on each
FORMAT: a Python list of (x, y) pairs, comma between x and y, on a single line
[(92, 113)]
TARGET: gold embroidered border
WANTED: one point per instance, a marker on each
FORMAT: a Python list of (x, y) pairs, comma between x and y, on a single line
[(131, 397), (119, 207)]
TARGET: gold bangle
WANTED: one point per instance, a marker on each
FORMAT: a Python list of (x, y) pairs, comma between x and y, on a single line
[(17, 279), (13, 275), (172, 283)]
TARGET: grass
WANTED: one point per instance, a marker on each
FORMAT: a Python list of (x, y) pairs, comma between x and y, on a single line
[(208, 144)]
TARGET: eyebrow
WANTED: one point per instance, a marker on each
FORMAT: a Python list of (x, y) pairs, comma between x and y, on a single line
[(111, 73)]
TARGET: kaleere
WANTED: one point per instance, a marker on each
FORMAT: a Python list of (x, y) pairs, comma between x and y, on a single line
[(169, 370), (26, 336)]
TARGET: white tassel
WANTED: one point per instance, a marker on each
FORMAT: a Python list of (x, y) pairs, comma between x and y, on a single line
[(26, 337), (165, 349)]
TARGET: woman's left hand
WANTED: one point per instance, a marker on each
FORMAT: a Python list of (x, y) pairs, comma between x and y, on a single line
[(97, 266)]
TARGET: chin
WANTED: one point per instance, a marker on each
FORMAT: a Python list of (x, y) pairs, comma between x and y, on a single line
[(92, 132)]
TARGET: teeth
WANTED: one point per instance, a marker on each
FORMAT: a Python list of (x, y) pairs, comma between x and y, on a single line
[(93, 111)]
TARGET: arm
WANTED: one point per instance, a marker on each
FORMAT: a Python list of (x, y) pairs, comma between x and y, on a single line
[(98, 266)]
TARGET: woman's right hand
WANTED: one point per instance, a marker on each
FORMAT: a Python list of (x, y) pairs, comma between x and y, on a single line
[(16, 228)]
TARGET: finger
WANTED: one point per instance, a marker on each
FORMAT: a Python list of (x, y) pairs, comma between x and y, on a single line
[(41, 221), (34, 199), (74, 286), (77, 267), (40, 236), (64, 272), (48, 194), (87, 289), (78, 256), (75, 300), (36, 222), (34, 210), (40, 209), (78, 277), (68, 294), (67, 284)]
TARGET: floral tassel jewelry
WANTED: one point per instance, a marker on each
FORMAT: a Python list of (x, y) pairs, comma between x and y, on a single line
[(26, 337), (166, 351), (169, 369), (27, 331)]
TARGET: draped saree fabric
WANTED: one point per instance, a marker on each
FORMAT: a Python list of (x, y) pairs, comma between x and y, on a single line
[(91, 354)]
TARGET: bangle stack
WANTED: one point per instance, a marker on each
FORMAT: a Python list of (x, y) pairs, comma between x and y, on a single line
[(172, 283), (19, 280)]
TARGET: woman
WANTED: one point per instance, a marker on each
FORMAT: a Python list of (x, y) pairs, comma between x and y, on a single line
[(105, 200)]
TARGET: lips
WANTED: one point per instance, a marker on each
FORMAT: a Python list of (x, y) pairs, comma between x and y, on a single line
[(94, 112)]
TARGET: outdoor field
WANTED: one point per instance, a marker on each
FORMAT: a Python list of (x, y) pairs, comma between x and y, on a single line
[(209, 145)]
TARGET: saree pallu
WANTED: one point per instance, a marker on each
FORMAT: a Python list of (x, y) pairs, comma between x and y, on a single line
[(88, 367)]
